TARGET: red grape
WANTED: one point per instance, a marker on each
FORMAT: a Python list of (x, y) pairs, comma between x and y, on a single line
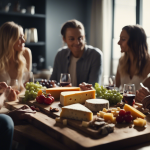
[(128, 113), (128, 118), (122, 112), (119, 119)]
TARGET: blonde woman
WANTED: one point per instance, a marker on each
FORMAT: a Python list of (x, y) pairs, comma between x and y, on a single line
[(15, 59), (134, 64)]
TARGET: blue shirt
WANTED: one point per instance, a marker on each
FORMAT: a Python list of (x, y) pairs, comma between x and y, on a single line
[(88, 67)]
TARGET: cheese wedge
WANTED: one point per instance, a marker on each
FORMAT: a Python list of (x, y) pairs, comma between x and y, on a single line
[(68, 98), (55, 92), (77, 112), (134, 112)]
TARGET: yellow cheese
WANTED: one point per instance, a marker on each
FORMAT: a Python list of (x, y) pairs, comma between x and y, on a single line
[(134, 112), (85, 124), (139, 122), (108, 116), (65, 122), (55, 92), (72, 97), (77, 112), (102, 113), (114, 120)]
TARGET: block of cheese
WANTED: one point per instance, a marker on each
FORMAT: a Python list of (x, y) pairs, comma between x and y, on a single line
[(108, 116), (77, 112), (139, 122), (72, 97), (134, 112), (55, 92), (97, 104)]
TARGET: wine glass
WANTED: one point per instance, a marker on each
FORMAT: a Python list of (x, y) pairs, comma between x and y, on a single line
[(65, 79), (109, 82), (129, 94), (31, 77), (14, 84)]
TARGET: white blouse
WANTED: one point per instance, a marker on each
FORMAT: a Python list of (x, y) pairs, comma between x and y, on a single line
[(135, 80)]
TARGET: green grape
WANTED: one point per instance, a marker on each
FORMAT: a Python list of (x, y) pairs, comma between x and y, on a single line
[(27, 83), (27, 87), (37, 82), (118, 98), (103, 96), (109, 91), (108, 94), (96, 85), (111, 94), (121, 96), (118, 94), (114, 91), (98, 89), (31, 88), (113, 98)]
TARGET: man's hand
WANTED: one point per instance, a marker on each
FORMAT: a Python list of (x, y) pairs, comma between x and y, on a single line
[(141, 94), (25, 112), (85, 86)]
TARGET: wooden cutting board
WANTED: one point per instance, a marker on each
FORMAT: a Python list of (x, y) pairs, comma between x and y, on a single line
[(74, 123), (123, 136)]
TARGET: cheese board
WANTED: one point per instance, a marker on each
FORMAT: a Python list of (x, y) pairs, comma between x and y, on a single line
[(74, 123), (123, 136)]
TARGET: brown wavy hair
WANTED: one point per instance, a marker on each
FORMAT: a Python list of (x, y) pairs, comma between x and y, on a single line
[(138, 45)]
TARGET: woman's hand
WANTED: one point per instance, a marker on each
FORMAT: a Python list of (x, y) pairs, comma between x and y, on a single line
[(141, 94), (25, 112), (3, 86), (4, 96)]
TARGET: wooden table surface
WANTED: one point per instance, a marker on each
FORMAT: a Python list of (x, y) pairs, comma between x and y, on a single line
[(73, 138)]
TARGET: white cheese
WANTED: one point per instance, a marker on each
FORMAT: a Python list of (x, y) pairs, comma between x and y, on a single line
[(77, 112), (97, 104)]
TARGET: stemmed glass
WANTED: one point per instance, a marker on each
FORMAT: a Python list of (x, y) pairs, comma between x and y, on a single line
[(129, 94), (14, 84), (109, 82), (65, 79)]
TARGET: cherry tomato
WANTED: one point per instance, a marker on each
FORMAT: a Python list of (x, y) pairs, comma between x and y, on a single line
[(39, 100), (47, 101)]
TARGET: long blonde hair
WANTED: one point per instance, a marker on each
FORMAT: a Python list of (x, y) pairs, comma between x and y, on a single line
[(9, 34), (138, 45)]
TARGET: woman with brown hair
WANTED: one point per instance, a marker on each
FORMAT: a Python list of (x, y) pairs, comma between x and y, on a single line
[(15, 58), (83, 62), (134, 64)]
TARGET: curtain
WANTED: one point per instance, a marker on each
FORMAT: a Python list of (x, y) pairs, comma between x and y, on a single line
[(101, 30)]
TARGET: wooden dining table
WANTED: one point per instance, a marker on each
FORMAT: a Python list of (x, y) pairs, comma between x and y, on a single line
[(51, 134)]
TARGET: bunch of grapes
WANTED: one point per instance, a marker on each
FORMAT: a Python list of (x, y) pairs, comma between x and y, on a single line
[(32, 90), (112, 95), (48, 83)]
